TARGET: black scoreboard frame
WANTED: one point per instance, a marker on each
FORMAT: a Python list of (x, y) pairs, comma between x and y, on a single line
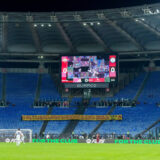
[(90, 84)]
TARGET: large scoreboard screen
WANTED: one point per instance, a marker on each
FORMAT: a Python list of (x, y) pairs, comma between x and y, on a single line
[(89, 69)]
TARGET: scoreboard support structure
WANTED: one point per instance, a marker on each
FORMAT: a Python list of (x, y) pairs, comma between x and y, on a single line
[(86, 93)]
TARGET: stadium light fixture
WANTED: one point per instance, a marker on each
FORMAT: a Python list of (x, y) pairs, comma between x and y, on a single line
[(143, 19), (42, 25), (84, 23), (35, 25), (98, 23), (49, 25), (136, 20), (40, 57)]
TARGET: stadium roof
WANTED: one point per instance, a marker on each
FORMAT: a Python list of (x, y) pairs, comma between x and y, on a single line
[(133, 33)]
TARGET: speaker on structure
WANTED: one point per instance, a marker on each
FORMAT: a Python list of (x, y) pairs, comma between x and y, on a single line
[(107, 89), (66, 90)]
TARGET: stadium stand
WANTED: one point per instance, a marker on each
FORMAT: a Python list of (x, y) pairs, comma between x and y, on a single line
[(21, 96), (133, 34), (20, 89), (128, 92), (150, 93), (131, 89), (137, 119), (56, 127), (48, 89), (88, 126), (154, 132)]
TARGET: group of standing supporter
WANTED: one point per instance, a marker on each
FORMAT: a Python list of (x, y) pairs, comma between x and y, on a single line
[(51, 103), (121, 102), (3, 103)]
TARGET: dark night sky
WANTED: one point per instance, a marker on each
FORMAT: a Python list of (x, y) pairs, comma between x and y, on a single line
[(68, 5)]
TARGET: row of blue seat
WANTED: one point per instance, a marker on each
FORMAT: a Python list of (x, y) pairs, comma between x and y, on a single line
[(20, 89)]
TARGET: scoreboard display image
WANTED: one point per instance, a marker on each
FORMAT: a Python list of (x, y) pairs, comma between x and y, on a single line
[(88, 69)]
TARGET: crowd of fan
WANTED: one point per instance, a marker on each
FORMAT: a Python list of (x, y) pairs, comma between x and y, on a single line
[(55, 103), (58, 103), (85, 103), (113, 135), (3, 103), (120, 102)]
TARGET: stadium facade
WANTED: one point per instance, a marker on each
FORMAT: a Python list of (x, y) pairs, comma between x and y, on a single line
[(31, 46)]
